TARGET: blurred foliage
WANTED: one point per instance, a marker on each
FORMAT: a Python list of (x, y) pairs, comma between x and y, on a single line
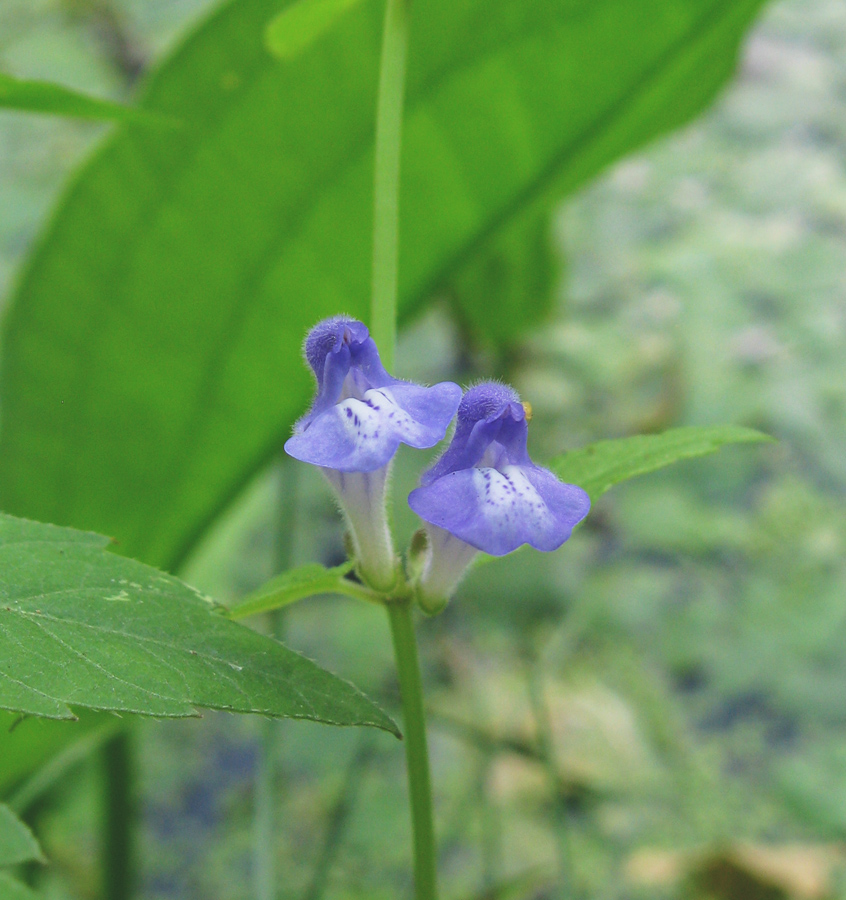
[(657, 711), (514, 276), (28, 744), (17, 845)]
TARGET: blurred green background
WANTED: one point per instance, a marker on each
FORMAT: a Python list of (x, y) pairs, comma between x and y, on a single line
[(656, 710)]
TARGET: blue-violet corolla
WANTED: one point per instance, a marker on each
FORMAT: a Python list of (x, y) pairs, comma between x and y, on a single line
[(359, 417), (484, 493)]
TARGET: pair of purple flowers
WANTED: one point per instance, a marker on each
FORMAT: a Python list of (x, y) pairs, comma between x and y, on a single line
[(483, 493)]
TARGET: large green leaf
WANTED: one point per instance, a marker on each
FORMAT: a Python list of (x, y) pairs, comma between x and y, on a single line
[(80, 627), (151, 360), (599, 466), (17, 844), (54, 99)]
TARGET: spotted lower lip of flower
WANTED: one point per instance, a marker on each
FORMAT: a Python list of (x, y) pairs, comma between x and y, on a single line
[(497, 510), (487, 493), (361, 414)]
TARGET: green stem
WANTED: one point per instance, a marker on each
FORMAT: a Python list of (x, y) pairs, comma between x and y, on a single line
[(267, 776), (416, 753), (264, 856), (383, 325), (118, 818), (383, 318)]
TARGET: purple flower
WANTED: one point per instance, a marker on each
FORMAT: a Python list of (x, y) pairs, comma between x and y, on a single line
[(485, 493), (361, 414), (358, 419)]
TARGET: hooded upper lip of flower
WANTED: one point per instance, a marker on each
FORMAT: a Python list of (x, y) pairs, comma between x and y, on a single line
[(361, 414), (485, 489)]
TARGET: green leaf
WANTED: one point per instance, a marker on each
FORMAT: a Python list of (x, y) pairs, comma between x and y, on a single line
[(12, 889), (44, 97), (301, 24), (600, 466), (151, 361), (297, 584), (83, 628), (17, 843)]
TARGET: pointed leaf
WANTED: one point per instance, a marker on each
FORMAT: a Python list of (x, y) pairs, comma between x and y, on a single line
[(152, 352), (44, 97), (82, 627), (599, 466), (17, 843)]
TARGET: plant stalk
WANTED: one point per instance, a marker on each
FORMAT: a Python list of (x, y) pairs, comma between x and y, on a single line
[(416, 752), (264, 815), (386, 185), (383, 325), (267, 777), (118, 818)]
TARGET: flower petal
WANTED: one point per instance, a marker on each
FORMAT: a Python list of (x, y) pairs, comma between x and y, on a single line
[(491, 430), (432, 408), (343, 357), (362, 435), (498, 510)]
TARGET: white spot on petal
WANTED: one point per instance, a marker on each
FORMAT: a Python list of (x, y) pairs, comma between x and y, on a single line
[(510, 504)]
